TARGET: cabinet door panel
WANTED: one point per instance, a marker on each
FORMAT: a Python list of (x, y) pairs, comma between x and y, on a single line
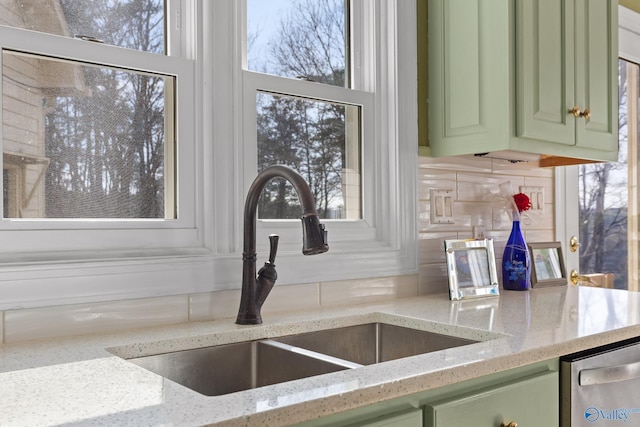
[(462, 62), (545, 70), (530, 402), (468, 68), (596, 73), (411, 418)]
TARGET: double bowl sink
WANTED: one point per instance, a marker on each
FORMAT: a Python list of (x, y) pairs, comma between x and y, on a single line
[(228, 368)]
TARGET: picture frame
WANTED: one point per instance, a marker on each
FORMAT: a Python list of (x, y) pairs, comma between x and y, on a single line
[(471, 268), (547, 264)]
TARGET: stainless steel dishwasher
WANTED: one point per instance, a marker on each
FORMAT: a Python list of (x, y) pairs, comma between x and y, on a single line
[(601, 387)]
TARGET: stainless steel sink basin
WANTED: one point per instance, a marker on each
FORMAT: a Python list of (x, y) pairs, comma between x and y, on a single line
[(373, 342), (228, 368), (223, 369)]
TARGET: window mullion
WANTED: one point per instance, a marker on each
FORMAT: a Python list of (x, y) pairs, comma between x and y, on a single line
[(363, 44)]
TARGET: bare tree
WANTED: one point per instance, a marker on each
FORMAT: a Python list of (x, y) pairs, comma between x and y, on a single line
[(603, 206), (311, 42), (107, 147), (305, 134)]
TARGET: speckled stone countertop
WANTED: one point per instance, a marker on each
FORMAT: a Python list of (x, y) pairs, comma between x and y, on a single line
[(85, 380)]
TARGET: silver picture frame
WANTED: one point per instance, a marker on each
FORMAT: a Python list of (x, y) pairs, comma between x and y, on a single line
[(471, 268), (547, 264)]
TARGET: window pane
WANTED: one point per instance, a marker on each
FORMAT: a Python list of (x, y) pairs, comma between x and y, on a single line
[(604, 192), (135, 24), (321, 141), (82, 141), (303, 39)]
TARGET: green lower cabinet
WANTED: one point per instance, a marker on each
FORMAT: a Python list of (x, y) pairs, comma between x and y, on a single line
[(412, 418), (528, 396), (530, 401)]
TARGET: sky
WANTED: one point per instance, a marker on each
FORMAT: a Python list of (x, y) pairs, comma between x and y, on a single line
[(263, 18)]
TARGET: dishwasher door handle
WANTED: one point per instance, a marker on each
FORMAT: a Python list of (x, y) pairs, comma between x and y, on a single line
[(609, 374)]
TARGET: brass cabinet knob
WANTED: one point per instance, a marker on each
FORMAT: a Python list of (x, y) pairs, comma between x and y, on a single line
[(575, 111), (586, 114), (573, 244), (511, 424)]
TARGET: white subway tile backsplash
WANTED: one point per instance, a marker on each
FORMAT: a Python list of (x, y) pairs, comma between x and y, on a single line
[(472, 213), (225, 304), (468, 163), (76, 319), (476, 187), (525, 169), (547, 185), (367, 290), (474, 181), (432, 246), (538, 236), (433, 279), (436, 179), (499, 241), (214, 305), (293, 297), (477, 183)]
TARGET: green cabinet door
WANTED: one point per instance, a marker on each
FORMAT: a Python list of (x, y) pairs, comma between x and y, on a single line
[(545, 88), (468, 75), (597, 73), (566, 57), (530, 402), (412, 418)]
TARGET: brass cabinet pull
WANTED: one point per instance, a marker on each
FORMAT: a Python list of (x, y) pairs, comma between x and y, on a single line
[(575, 111), (511, 424), (586, 114)]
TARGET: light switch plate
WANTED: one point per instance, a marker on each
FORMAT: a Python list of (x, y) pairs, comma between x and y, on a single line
[(441, 206), (536, 195)]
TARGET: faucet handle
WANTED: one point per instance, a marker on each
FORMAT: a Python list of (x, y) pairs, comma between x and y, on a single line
[(273, 247)]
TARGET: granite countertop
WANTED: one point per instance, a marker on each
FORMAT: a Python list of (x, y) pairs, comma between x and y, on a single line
[(85, 380)]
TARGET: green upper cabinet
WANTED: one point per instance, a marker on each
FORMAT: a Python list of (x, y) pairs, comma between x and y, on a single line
[(566, 59), (504, 75), (468, 76)]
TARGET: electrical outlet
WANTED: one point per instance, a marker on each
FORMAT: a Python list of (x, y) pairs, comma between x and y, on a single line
[(441, 206), (536, 195)]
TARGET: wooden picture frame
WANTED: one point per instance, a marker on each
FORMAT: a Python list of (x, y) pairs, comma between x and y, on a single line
[(547, 264), (471, 268)]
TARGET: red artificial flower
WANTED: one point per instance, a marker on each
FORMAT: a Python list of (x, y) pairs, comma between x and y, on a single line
[(522, 202)]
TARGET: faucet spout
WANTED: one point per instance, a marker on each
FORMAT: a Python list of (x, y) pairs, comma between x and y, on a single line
[(255, 290)]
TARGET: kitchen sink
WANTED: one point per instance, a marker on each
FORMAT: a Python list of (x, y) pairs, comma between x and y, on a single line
[(373, 342), (228, 368), (223, 369)]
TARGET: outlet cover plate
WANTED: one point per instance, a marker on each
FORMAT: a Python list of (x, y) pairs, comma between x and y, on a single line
[(536, 195), (441, 206)]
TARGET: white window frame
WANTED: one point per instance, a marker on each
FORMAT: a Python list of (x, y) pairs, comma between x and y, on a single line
[(384, 241), (55, 261), (205, 255)]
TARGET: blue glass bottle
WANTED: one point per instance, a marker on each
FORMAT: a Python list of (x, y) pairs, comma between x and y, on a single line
[(516, 263)]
